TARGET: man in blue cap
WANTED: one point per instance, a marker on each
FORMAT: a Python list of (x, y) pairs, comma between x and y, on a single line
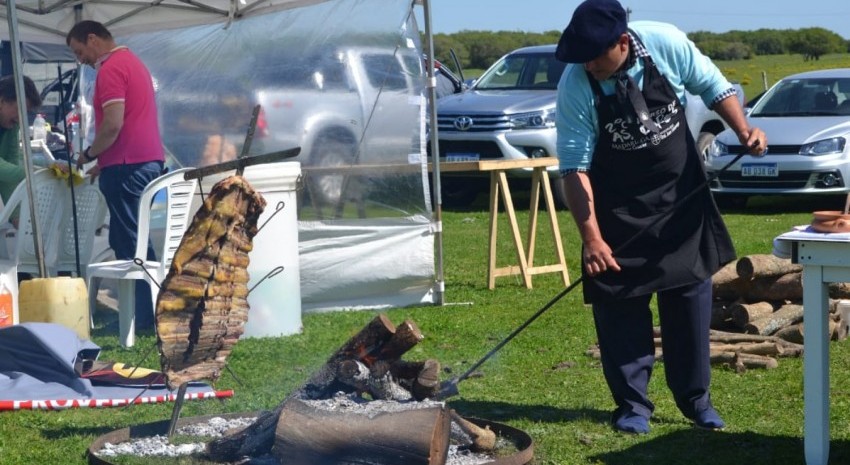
[(626, 156)]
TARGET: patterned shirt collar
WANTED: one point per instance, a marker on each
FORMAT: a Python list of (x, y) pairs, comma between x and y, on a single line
[(636, 50)]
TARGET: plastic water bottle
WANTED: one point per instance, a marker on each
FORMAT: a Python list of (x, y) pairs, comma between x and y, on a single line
[(39, 129), (6, 305)]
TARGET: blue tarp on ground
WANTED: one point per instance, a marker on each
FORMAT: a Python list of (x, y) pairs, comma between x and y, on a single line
[(49, 362)]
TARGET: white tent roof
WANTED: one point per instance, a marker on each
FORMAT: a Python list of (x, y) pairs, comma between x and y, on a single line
[(49, 21)]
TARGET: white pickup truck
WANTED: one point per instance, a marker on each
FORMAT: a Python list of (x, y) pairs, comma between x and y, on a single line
[(509, 113), (343, 105)]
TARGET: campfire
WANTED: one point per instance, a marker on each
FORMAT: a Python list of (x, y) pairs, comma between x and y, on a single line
[(364, 405), (407, 428)]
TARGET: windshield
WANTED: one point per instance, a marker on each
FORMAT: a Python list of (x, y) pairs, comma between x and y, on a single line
[(522, 71), (806, 97)]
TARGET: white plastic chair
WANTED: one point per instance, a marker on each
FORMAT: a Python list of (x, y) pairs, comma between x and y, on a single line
[(48, 195), (178, 203), (91, 214)]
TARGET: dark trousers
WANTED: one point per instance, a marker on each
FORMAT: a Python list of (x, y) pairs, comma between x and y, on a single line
[(624, 329), (122, 185)]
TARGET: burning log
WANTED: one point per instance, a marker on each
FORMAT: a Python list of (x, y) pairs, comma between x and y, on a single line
[(307, 435), (369, 362), (765, 266)]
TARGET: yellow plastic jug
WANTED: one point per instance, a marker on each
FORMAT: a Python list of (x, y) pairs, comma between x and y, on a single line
[(62, 300)]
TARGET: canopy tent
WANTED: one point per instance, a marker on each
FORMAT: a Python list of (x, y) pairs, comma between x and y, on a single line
[(212, 60)]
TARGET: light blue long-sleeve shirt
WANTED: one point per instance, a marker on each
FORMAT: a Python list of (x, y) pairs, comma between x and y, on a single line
[(677, 59)]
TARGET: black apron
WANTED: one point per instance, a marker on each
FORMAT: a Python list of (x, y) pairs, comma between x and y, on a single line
[(636, 176)]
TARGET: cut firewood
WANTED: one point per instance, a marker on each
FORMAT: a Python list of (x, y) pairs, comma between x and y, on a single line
[(740, 362), (720, 315), (755, 348), (765, 266), (483, 439), (784, 316), (307, 435), (726, 284), (733, 338), (839, 290), (743, 313), (792, 333), (774, 288)]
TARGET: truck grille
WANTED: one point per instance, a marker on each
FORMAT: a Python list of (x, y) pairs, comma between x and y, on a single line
[(485, 149), (474, 123)]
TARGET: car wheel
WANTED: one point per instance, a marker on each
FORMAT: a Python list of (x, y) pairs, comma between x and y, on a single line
[(704, 142), (330, 150)]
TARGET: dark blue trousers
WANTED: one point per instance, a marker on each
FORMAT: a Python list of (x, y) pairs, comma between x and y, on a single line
[(624, 329), (122, 185)]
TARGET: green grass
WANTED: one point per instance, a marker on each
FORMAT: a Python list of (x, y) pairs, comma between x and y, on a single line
[(753, 73), (540, 382)]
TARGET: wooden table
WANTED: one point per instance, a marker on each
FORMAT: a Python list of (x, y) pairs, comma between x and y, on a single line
[(499, 189), (825, 260)]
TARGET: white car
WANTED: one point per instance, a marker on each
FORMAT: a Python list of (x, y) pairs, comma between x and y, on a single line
[(806, 118)]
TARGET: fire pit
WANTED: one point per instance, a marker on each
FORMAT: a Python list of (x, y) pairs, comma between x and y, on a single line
[(364, 405), (517, 449)]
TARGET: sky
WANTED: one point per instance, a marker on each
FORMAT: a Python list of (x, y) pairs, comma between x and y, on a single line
[(448, 16)]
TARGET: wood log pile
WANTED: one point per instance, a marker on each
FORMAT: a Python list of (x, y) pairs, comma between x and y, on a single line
[(369, 366), (762, 297), (757, 314)]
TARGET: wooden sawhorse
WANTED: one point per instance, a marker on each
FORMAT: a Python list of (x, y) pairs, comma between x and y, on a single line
[(499, 188)]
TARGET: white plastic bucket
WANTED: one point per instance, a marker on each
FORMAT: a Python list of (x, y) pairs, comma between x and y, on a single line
[(276, 302)]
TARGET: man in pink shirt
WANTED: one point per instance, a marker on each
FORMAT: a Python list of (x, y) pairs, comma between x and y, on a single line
[(127, 146)]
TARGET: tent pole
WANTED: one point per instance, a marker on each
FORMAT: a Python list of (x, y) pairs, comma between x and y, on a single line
[(435, 151), (12, 17)]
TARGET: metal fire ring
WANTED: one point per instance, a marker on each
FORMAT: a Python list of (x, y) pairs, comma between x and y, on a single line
[(522, 441)]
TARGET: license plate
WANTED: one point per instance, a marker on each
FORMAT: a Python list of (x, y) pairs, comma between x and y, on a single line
[(761, 170), (455, 157)]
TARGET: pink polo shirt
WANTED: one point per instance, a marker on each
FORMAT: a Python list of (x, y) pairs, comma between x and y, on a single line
[(122, 77)]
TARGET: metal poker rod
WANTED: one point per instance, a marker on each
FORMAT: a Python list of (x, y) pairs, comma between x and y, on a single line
[(449, 388)]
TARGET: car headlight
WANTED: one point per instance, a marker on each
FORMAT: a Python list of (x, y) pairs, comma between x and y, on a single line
[(823, 147), (717, 149), (534, 120)]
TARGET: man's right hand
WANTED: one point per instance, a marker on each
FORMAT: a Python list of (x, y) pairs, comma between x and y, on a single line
[(93, 172), (598, 258)]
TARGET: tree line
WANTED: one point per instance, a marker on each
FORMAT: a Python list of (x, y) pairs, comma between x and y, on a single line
[(479, 49)]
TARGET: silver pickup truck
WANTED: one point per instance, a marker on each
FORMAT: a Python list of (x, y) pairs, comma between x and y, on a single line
[(509, 113)]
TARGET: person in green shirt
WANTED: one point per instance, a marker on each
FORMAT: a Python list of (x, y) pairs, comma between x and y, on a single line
[(11, 156)]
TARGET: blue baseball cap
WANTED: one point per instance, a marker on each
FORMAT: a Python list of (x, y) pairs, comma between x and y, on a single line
[(595, 26)]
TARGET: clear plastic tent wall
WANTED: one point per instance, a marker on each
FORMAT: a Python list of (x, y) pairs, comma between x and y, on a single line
[(344, 81)]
